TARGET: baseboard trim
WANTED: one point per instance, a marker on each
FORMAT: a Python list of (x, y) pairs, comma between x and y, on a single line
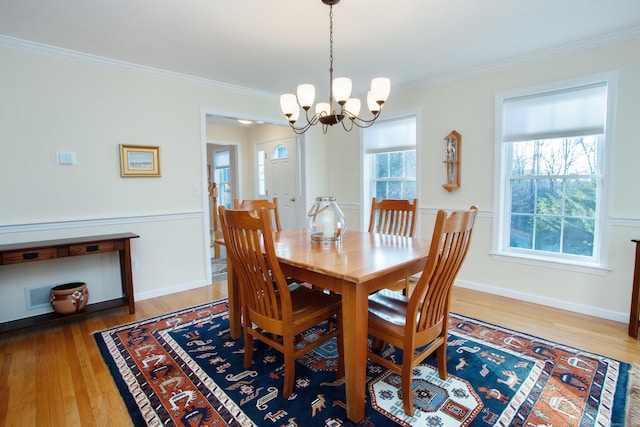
[(616, 316)]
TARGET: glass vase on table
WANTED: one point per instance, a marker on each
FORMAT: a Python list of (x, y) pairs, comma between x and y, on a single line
[(325, 221)]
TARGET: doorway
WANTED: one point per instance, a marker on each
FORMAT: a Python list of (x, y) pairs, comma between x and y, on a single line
[(222, 164), (222, 167), (224, 132)]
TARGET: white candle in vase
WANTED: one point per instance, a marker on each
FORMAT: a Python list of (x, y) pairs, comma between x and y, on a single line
[(325, 223)]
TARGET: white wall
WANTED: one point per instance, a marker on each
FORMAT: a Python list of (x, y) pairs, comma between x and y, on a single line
[(49, 103), (467, 106)]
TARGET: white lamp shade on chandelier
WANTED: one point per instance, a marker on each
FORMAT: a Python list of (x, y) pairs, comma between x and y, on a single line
[(340, 91)]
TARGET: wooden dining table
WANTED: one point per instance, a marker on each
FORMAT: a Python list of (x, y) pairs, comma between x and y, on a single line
[(360, 264)]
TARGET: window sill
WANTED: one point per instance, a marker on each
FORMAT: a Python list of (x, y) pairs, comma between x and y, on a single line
[(547, 262)]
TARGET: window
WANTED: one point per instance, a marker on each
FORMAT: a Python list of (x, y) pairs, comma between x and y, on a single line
[(280, 152), (221, 173), (262, 185), (389, 170), (552, 182), (394, 175)]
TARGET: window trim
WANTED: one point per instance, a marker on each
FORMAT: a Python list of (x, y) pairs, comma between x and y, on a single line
[(600, 263)]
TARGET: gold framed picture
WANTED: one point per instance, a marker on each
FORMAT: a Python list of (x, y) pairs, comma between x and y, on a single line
[(139, 160)]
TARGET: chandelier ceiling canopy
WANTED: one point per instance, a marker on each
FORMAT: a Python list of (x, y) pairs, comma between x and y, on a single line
[(339, 89)]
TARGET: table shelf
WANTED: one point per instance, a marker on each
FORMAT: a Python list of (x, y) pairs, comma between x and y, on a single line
[(27, 252)]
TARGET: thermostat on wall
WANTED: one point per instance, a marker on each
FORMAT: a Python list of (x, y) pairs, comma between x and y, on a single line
[(66, 158)]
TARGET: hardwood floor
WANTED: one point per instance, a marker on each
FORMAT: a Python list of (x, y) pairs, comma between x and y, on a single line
[(593, 334), (55, 376)]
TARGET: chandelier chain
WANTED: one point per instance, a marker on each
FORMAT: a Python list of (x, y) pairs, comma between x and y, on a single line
[(331, 55), (330, 38)]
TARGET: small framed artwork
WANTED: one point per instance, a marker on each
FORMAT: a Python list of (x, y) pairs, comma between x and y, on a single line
[(139, 160)]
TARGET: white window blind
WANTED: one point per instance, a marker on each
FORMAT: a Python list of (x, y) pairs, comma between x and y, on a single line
[(391, 135), (572, 112), (221, 159)]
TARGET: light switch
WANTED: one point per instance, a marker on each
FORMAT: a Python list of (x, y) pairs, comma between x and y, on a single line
[(66, 158)]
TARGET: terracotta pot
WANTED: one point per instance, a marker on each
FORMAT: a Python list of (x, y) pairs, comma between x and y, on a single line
[(69, 298)]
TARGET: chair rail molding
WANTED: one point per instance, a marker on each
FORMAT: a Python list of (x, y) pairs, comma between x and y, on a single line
[(97, 222)]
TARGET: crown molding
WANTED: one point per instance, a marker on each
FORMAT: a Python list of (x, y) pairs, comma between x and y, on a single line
[(73, 55), (555, 52)]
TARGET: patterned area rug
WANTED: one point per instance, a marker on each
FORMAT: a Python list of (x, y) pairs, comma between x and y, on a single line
[(218, 269), (182, 369)]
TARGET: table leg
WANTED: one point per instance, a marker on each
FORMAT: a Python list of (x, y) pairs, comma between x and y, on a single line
[(233, 295), (355, 319), (126, 275), (635, 296)]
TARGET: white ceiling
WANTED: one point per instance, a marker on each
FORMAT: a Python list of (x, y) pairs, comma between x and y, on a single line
[(273, 45)]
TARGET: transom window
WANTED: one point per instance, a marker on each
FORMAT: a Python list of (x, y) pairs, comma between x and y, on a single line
[(551, 180), (280, 152)]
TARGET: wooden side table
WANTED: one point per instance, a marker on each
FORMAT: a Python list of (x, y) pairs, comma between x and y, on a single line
[(18, 253), (635, 294)]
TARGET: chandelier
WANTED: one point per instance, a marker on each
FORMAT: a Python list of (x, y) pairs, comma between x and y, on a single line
[(340, 88)]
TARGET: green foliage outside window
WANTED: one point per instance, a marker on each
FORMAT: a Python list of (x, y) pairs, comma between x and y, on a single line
[(394, 175), (553, 190)]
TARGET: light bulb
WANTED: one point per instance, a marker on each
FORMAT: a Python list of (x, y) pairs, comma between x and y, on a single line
[(380, 88), (306, 95), (295, 114), (341, 89), (374, 107), (352, 107), (288, 103)]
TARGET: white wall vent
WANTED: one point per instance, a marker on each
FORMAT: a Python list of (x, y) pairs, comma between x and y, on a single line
[(37, 297)]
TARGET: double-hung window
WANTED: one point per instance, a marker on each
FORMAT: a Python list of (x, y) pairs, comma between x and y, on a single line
[(551, 180), (390, 159)]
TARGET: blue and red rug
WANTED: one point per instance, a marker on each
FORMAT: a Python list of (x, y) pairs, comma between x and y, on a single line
[(182, 369)]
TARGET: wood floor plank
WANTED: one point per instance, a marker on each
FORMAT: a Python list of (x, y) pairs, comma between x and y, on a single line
[(596, 335), (55, 375)]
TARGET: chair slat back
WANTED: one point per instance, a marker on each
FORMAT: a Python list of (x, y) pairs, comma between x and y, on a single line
[(393, 216), (254, 205), (249, 242), (428, 308)]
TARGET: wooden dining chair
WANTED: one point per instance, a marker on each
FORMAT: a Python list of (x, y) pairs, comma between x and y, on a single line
[(272, 310), (254, 205), (409, 323), (393, 216), (397, 217)]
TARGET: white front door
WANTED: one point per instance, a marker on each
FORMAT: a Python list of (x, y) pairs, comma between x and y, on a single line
[(282, 179)]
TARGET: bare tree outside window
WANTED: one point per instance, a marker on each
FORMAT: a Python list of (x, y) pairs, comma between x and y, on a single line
[(553, 195)]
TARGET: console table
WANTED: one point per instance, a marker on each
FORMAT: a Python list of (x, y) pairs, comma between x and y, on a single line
[(17, 253), (635, 294)]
